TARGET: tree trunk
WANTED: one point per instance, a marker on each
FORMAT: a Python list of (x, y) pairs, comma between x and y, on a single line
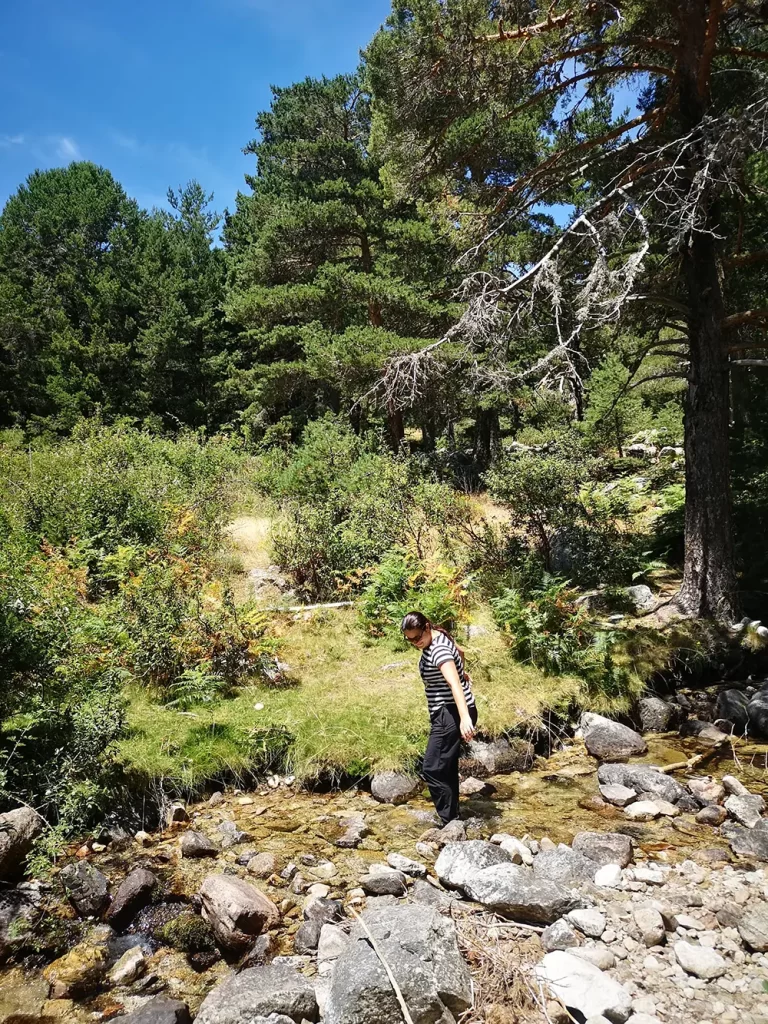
[(709, 574)]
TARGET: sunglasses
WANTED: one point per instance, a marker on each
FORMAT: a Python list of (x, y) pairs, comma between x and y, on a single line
[(414, 639)]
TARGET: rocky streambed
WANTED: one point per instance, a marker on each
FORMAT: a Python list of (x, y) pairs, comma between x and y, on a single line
[(577, 890)]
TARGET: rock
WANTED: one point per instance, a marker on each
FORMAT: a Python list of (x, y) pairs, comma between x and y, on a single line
[(757, 712), (590, 922), (753, 927), (560, 935), (517, 893), (421, 949), (657, 715), (582, 987), (604, 847), (134, 893), (642, 598), (18, 831), (393, 883), (460, 861), (608, 876), (215, 799), (608, 740), (232, 835), (79, 972), (394, 787), (430, 896), (333, 941), (700, 961), (707, 734), (307, 937), (687, 805), (747, 810), (734, 787), (707, 791), (599, 955), (256, 993), (236, 911), (177, 813), (476, 787), (518, 852), (160, 1010), (355, 830), (617, 795), (414, 868), (195, 844), (129, 967), (564, 865), (711, 815), (498, 757), (323, 910), (642, 810), (651, 925), (262, 865), (643, 779), (648, 875), (454, 832), (86, 887), (732, 711), (20, 913)]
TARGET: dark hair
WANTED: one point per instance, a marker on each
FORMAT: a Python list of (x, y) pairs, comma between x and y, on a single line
[(414, 620)]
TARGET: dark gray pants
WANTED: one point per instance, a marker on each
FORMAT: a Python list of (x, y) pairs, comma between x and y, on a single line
[(441, 760)]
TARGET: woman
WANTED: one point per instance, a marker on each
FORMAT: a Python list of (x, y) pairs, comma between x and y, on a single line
[(451, 707)]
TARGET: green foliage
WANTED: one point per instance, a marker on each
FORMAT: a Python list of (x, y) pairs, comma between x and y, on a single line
[(400, 584), (614, 413)]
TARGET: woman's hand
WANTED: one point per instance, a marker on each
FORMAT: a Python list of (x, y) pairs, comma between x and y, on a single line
[(467, 728)]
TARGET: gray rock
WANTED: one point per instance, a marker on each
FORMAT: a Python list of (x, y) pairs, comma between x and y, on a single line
[(604, 847), (617, 795), (215, 799), (134, 894), (454, 832), (753, 927), (324, 910), (390, 883), (458, 862), (414, 868), (232, 835), (560, 935), (643, 779), (476, 787), (355, 831), (236, 911), (757, 711), (195, 844), (700, 961), (564, 865), (129, 967), (707, 791), (259, 992), (177, 813), (657, 715), (517, 893), (597, 954), (733, 787), (307, 937), (650, 924), (747, 810), (18, 831), (642, 598), (687, 805), (589, 921), (160, 1010), (711, 815), (731, 712), (86, 887), (498, 757), (582, 987), (263, 865), (333, 942), (707, 734), (20, 913), (394, 787), (643, 810), (421, 949), (608, 740)]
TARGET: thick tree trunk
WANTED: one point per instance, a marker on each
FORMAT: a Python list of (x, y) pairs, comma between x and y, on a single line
[(709, 575)]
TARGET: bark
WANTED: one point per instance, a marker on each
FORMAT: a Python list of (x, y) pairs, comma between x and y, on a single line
[(487, 437), (709, 587)]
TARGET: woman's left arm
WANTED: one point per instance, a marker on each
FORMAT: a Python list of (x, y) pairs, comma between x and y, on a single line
[(451, 677)]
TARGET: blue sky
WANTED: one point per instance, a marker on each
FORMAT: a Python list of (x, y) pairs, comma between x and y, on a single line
[(159, 92)]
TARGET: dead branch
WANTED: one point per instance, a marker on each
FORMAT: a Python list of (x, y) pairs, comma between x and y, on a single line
[(392, 980)]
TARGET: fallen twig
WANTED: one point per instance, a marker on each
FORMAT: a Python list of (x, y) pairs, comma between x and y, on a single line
[(696, 759), (393, 982)]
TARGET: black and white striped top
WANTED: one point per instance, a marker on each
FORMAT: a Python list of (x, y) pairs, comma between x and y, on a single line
[(441, 650)]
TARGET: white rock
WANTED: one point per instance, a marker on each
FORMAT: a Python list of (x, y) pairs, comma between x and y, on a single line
[(665, 808), (517, 850), (414, 868), (642, 810), (599, 955), (747, 810), (700, 961), (318, 891), (590, 922), (608, 876), (332, 941), (618, 795), (581, 986), (732, 785), (643, 1018), (651, 876), (651, 925), (128, 968)]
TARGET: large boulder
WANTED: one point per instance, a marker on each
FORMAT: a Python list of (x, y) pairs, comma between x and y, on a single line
[(159, 1010), (256, 993), (458, 862), (747, 810), (497, 757), (20, 912), (420, 948), (79, 972), (643, 779), (18, 831), (87, 888), (657, 715), (732, 713), (641, 597), (394, 787), (757, 713), (748, 842), (236, 911), (604, 847), (516, 892), (584, 988), (608, 740), (565, 866), (134, 894)]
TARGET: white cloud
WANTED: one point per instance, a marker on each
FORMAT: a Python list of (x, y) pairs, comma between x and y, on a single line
[(11, 140), (124, 141), (67, 148)]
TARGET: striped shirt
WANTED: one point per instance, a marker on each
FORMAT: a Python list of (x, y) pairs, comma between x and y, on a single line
[(441, 650)]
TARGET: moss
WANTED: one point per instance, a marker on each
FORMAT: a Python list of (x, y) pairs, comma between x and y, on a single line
[(188, 933)]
